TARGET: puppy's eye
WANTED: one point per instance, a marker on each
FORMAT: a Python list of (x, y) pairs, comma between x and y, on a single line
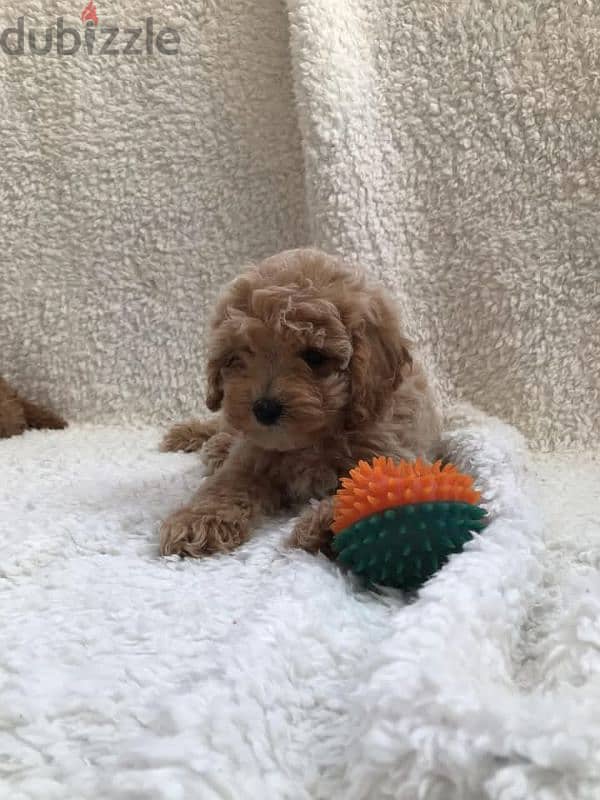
[(233, 362), (314, 358)]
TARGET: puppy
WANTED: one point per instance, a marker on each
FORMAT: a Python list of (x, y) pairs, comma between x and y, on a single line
[(310, 371), (18, 414)]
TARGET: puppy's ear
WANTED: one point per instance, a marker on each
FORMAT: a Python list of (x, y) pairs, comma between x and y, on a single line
[(226, 323), (214, 383), (219, 350), (380, 352)]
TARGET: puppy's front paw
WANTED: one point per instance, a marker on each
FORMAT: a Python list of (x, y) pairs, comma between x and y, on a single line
[(312, 532), (196, 533), (187, 436)]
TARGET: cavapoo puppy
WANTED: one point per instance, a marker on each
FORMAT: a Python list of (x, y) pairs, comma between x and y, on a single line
[(310, 371), (18, 414)]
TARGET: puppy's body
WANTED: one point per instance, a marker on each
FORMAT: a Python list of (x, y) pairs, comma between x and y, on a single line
[(311, 372), (18, 414)]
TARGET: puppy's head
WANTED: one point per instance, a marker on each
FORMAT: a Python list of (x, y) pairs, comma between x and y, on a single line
[(302, 347)]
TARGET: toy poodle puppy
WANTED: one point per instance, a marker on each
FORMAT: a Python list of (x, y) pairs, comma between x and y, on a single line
[(18, 414), (310, 371)]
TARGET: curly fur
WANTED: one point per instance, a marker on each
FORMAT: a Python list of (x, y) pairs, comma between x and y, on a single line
[(365, 397), (18, 414)]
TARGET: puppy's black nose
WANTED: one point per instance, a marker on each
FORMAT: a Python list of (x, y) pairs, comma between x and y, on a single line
[(267, 411)]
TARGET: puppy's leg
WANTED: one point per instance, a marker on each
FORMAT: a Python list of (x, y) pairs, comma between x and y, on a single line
[(41, 417), (12, 417), (216, 450), (220, 515), (189, 436), (313, 531)]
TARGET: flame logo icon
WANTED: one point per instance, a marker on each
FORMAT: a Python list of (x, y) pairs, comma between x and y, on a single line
[(89, 13)]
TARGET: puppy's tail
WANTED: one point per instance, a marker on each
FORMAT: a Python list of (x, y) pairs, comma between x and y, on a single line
[(41, 417)]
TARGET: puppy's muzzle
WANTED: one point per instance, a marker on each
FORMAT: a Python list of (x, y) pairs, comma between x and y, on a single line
[(267, 410)]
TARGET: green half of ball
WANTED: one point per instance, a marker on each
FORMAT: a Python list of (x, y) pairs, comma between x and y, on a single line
[(404, 546)]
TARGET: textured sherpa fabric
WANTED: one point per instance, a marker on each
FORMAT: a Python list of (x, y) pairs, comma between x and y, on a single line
[(452, 147), (269, 673)]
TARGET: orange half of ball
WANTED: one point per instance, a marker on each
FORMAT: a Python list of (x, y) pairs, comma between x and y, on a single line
[(384, 483)]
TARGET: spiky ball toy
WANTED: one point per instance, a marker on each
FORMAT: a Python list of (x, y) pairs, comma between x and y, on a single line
[(396, 524)]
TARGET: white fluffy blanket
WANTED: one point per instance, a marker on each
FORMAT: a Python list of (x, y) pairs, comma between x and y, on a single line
[(269, 673)]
